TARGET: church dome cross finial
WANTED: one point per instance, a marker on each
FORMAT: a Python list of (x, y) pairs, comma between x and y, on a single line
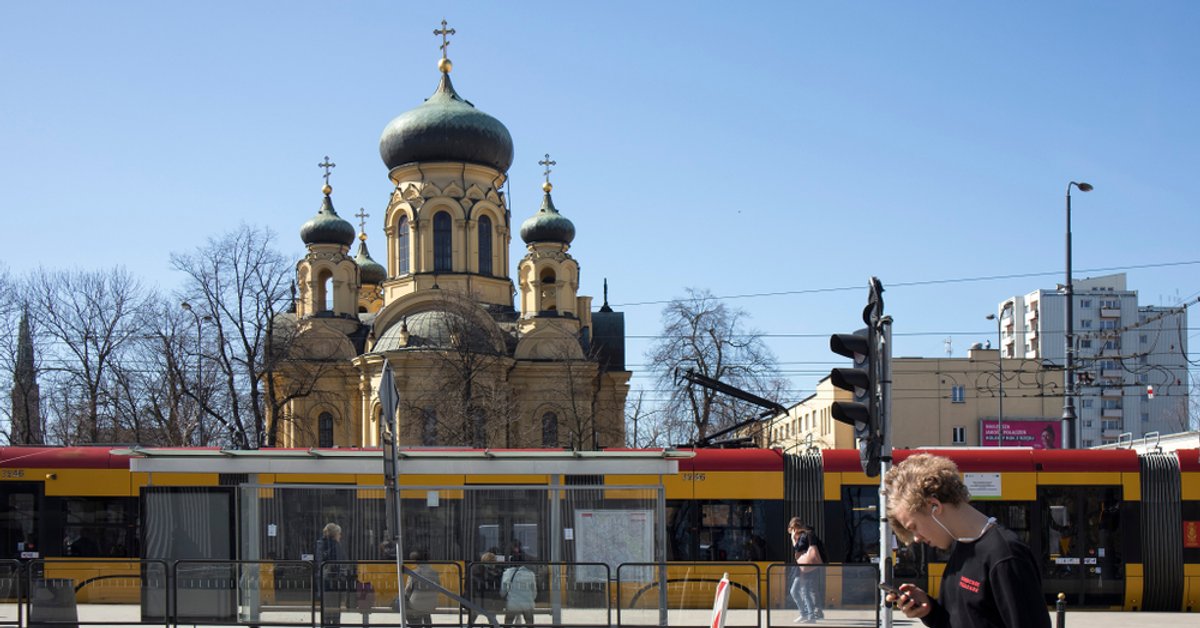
[(547, 162), (444, 63), (328, 166), (362, 223)]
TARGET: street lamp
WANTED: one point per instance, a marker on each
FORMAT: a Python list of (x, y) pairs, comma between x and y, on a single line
[(1000, 368), (187, 307), (1068, 415)]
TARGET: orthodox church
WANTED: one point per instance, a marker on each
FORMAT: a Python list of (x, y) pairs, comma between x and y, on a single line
[(470, 368)]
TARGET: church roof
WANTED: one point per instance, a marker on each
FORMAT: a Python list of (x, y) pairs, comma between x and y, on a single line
[(327, 227), (547, 225), (371, 271), (446, 127), (436, 329)]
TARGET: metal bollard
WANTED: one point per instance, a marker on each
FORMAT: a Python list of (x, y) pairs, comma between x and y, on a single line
[(1060, 608)]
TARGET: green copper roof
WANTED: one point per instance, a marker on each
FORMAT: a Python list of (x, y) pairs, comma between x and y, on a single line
[(370, 271), (446, 128), (327, 227), (547, 225)]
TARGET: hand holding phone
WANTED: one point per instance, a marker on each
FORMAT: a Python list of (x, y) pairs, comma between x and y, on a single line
[(888, 587)]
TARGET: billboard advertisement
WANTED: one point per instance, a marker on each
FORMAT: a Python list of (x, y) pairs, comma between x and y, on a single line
[(1035, 434)]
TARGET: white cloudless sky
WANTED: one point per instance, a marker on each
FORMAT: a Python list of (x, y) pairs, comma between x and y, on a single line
[(743, 148)]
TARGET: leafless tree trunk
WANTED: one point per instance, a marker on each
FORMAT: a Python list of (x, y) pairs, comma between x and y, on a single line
[(236, 286), (466, 389), (702, 333)]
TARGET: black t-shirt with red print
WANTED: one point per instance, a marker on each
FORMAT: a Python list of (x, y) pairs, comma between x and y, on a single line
[(991, 583)]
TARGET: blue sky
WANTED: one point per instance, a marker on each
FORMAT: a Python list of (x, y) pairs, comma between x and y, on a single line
[(762, 147)]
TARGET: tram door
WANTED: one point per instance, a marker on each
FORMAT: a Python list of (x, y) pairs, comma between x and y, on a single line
[(1080, 544), (507, 521), (19, 507)]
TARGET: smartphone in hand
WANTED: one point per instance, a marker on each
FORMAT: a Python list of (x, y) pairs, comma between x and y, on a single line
[(887, 587)]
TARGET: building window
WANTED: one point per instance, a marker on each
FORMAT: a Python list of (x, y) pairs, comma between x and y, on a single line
[(325, 430), (429, 427), (485, 245), (442, 251), (1085, 303), (1143, 338), (402, 245), (1085, 323), (1085, 343), (960, 435), (1110, 404), (958, 394), (1085, 403), (549, 430)]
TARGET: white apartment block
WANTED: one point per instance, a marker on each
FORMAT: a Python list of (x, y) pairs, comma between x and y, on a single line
[(1121, 350)]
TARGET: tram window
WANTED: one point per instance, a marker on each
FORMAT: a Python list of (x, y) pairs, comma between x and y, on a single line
[(18, 521), (860, 512), (1012, 515), (99, 526), (735, 529)]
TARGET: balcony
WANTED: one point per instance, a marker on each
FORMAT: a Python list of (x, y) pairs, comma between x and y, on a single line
[(1110, 393), (1108, 312), (1112, 373), (1111, 433), (1112, 413)]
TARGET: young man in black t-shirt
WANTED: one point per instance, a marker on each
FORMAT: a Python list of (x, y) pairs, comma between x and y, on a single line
[(991, 579)]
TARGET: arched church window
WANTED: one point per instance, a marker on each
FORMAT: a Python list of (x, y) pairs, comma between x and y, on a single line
[(325, 430), (402, 244), (324, 296), (549, 430), (442, 258), (547, 290), (485, 245)]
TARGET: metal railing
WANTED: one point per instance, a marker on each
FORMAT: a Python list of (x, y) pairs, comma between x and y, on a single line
[(62, 593)]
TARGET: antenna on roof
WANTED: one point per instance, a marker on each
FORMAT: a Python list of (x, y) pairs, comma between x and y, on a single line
[(949, 346)]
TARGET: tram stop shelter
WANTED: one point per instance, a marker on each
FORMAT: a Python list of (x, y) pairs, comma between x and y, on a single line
[(219, 516)]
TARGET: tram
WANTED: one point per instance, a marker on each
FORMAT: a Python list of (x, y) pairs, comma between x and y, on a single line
[(1113, 529)]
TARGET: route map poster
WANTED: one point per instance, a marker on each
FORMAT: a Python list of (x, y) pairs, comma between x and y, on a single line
[(613, 537)]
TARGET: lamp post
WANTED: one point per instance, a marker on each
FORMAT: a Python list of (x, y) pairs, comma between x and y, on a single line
[(1068, 414), (1000, 368), (187, 307)]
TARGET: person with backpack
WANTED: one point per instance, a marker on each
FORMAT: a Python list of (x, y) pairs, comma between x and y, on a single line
[(518, 587)]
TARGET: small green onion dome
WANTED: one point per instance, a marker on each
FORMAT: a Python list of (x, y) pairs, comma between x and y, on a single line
[(370, 271), (446, 128), (547, 225), (327, 227)]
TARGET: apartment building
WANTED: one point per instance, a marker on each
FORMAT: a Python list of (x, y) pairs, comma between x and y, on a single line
[(1123, 351)]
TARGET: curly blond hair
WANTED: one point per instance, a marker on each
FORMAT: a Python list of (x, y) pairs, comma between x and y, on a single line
[(910, 484)]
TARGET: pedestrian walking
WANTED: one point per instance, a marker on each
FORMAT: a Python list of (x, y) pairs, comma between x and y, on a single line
[(800, 577), (991, 579), (814, 575), (420, 593)]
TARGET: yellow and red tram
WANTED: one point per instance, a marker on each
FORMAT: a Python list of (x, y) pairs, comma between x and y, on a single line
[(1113, 529)]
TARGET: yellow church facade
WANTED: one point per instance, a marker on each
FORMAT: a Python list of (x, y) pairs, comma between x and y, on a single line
[(471, 368)]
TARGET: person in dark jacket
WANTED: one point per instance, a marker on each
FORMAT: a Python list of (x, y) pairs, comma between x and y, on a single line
[(991, 579), (331, 576), (485, 587)]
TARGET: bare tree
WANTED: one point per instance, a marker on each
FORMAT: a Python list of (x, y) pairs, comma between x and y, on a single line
[(701, 333), (236, 286), (464, 398), (91, 320)]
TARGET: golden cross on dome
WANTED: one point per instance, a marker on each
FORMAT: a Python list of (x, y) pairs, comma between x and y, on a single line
[(327, 165), (547, 162), (443, 31), (362, 219)]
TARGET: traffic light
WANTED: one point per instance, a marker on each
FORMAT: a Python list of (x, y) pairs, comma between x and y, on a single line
[(863, 380), (863, 412)]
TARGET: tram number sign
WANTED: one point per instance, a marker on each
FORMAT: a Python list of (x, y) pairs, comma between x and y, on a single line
[(983, 485)]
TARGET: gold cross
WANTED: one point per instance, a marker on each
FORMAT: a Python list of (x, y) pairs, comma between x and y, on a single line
[(327, 165), (547, 163), (443, 32), (362, 219)]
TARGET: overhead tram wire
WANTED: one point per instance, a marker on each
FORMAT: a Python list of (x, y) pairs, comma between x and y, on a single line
[(926, 282)]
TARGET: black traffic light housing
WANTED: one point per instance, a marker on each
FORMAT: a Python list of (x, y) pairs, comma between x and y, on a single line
[(865, 412)]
